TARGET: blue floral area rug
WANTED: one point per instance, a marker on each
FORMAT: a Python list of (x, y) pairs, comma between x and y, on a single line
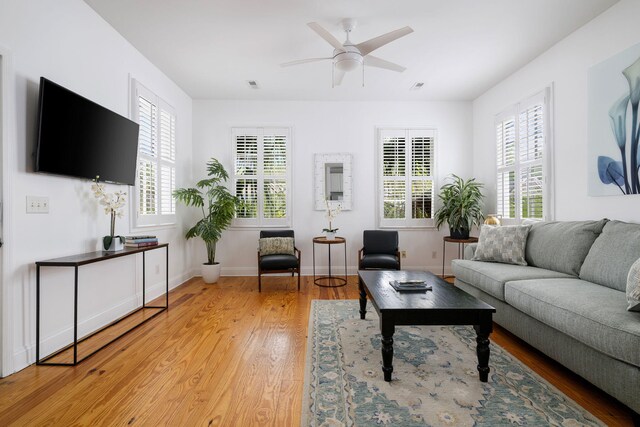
[(434, 383)]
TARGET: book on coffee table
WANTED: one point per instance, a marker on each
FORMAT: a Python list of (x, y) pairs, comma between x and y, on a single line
[(410, 285)]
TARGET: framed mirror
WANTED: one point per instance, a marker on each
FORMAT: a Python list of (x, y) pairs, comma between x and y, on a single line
[(332, 180)]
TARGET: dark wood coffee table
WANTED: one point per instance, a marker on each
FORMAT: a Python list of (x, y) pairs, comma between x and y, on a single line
[(444, 305)]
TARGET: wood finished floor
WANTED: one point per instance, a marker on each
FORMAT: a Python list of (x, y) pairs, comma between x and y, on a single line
[(223, 354)]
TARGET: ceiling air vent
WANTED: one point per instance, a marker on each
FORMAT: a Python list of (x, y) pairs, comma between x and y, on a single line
[(417, 86), (253, 84)]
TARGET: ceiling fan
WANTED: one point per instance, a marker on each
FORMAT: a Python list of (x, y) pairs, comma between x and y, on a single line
[(348, 56)]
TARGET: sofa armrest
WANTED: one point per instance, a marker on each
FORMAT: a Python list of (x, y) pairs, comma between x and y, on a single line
[(470, 250)]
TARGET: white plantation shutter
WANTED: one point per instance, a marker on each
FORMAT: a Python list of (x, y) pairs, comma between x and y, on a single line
[(522, 135), (506, 160), (506, 194), (274, 160), (421, 177), (531, 145), (147, 153), (394, 159), (147, 197), (261, 177), (406, 165), (156, 159), (246, 173), (167, 161)]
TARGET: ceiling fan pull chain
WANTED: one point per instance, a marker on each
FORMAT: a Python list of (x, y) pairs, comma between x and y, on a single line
[(333, 78)]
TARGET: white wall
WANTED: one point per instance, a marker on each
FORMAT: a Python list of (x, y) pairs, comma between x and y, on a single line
[(67, 42), (565, 65), (332, 127)]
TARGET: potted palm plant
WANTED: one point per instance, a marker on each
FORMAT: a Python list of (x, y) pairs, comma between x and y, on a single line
[(461, 206), (218, 207)]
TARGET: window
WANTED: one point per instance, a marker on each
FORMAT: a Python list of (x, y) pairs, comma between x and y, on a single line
[(522, 138), (261, 176), (406, 174), (156, 177)]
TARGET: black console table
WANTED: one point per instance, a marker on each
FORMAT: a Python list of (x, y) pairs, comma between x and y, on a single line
[(76, 261)]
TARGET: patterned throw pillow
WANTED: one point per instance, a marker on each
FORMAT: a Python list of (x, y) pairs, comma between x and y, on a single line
[(276, 246), (502, 244), (633, 287)]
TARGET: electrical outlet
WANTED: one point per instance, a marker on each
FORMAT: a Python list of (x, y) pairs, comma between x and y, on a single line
[(157, 269), (403, 254), (37, 204), (434, 254)]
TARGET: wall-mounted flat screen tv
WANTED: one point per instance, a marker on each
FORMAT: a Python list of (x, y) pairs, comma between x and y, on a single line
[(77, 137)]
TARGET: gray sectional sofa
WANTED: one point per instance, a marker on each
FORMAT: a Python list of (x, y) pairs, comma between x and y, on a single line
[(569, 301)]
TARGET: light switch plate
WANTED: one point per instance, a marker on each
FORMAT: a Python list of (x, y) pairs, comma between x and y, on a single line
[(37, 204)]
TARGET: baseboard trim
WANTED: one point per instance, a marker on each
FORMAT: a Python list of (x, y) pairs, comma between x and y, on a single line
[(26, 355), (322, 270)]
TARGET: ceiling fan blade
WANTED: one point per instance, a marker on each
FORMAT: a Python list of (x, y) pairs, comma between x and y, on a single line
[(325, 35), (376, 42), (374, 61), (337, 77), (302, 61)]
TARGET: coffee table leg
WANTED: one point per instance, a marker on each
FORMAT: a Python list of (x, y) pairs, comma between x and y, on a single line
[(482, 349), (363, 299), (387, 349)]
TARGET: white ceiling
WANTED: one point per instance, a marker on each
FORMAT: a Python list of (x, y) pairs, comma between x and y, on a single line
[(460, 48)]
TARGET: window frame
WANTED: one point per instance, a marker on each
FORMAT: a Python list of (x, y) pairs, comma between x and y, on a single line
[(543, 97), (158, 220), (259, 222), (408, 133)]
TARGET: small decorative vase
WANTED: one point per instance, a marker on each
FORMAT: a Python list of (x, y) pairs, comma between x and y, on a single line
[(330, 235), (114, 245), (492, 219)]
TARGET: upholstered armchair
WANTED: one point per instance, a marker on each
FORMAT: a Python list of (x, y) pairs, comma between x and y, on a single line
[(379, 251), (277, 254)]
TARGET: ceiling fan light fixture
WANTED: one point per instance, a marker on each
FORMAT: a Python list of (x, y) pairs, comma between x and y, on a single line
[(347, 61), (347, 64)]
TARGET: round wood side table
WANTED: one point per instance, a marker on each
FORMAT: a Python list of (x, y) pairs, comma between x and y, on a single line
[(460, 242), (322, 240)]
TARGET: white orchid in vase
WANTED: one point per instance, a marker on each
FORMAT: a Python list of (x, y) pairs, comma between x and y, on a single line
[(333, 209), (113, 204)]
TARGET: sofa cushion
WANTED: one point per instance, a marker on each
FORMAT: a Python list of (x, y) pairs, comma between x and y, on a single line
[(592, 314), (612, 255), (561, 246), (633, 287), (490, 277), (278, 262), (502, 244), (382, 261), (276, 246)]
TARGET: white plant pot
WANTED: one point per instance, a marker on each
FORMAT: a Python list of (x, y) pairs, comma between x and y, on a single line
[(116, 245), (330, 235), (211, 272)]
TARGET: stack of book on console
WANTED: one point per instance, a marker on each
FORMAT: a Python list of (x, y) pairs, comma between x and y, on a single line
[(140, 241)]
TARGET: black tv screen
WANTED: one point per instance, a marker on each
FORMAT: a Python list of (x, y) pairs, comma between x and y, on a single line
[(77, 137)]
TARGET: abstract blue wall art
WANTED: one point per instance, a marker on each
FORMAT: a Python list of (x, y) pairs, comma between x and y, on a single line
[(613, 126)]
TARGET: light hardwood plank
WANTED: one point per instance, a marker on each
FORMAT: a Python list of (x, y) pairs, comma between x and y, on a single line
[(222, 355)]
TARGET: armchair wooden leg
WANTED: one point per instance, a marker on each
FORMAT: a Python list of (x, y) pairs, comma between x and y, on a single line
[(259, 281), (298, 280)]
